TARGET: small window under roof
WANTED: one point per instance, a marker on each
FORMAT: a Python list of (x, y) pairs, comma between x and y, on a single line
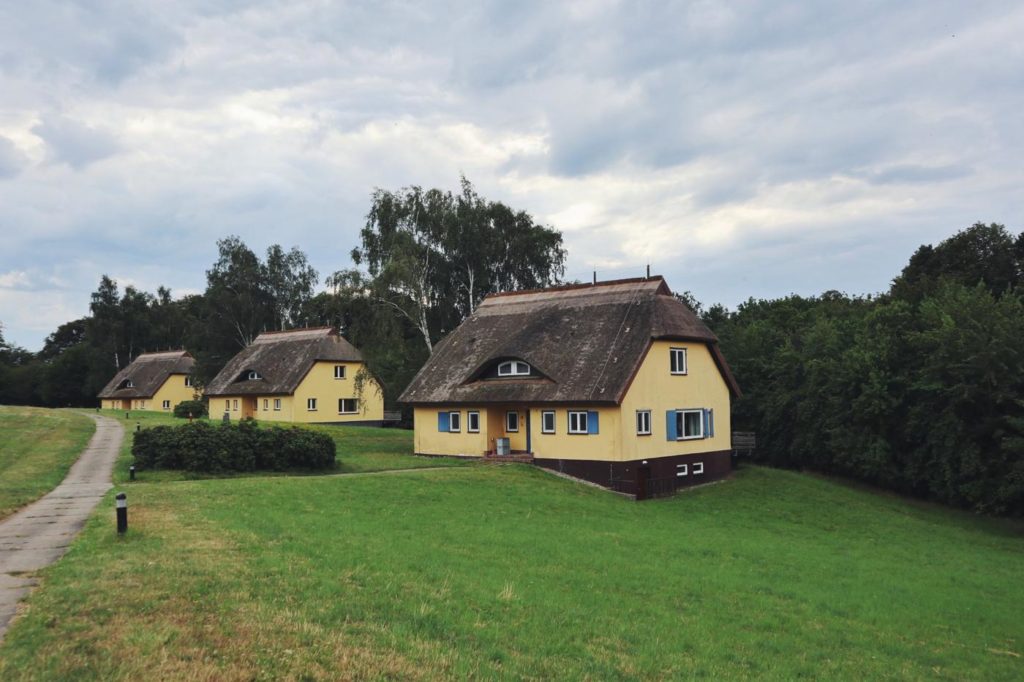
[(513, 368), (250, 375)]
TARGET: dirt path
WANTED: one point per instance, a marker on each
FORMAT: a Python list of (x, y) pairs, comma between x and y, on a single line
[(39, 534)]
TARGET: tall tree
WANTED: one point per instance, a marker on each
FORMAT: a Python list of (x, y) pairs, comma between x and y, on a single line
[(237, 296), (432, 256), (290, 280)]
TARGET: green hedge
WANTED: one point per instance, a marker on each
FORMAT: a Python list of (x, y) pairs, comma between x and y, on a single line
[(201, 446), (191, 408)]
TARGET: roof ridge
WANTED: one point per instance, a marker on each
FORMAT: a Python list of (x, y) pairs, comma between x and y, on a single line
[(574, 287)]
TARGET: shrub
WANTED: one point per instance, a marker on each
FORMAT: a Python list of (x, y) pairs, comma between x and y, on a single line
[(202, 447), (195, 408)]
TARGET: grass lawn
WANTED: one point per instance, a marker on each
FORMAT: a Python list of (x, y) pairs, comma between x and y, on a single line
[(361, 449), (37, 447), (508, 572)]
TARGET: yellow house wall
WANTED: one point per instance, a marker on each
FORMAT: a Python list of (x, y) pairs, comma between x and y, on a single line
[(564, 445), (174, 390), (427, 440), (656, 389), (318, 383)]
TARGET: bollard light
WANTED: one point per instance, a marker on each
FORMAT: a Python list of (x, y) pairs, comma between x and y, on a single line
[(131, 473), (138, 426), (122, 513)]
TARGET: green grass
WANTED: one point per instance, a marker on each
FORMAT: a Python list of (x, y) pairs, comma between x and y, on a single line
[(508, 572), (361, 449), (37, 447)]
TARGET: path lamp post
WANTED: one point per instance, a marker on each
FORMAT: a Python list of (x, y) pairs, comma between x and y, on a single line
[(122, 513)]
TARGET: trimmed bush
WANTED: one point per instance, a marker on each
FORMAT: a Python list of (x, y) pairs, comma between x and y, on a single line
[(196, 408), (202, 447)]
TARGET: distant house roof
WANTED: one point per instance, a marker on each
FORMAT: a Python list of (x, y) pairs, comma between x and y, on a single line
[(586, 342), (146, 374), (282, 360)]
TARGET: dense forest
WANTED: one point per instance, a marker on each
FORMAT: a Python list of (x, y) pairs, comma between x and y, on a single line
[(919, 389)]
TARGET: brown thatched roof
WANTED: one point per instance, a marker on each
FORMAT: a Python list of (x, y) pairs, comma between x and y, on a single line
[(282, 359), (147, 373), (585, 341)]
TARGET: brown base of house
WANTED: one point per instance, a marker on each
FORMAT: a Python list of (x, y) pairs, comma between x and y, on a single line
[(643, 479)]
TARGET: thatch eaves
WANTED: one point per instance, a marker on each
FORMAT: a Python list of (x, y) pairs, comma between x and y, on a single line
[(147, 373), (585, 341), (282, 360)]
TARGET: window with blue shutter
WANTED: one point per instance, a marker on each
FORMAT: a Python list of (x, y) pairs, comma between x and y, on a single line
[(711, 423), (706, 426), (670, 425), (591, 422), (442, 422)]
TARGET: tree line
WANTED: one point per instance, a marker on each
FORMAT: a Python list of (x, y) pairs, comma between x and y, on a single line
[(919, 390), (425, 260)]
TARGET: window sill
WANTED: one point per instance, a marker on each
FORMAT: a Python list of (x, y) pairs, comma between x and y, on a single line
[(679, 374), (690, 438)]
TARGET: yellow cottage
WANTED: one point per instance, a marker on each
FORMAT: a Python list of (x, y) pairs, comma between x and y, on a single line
[(153, 381), (618, 383), (304, 375)]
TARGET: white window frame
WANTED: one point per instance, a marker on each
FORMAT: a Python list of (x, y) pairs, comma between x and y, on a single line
[(508, 425), (513, 368), (310, 404), (698, 468), (454, 422), (128, 383), (266, 404), (167, 404), (682, 423), (641, 428), (227, 405), (543, 421), (277, 404), (254, 375), (341, 405), (339, 372), (682, 470), (471, 417), (188, 382), (676, 352), (142, 404), (580, 428), (234, 405)]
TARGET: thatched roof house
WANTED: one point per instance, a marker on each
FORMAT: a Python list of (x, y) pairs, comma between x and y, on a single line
[(610, 360), (280, 372), (145, 381)]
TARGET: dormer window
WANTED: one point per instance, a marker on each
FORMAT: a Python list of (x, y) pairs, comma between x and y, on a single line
[(254, 375), (127, 383), (513, 368)]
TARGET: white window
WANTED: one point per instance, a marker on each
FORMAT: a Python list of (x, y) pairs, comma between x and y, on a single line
[(167, 404), (188, 381), (513, 368), (348, 405), (677, 360), (227, 405), (643, 422), (511, 422), (142, 404), (277, 404), (473, 422), (127, 383), (311, 404), (234, 405), (577, 422), (339, 371), (254, 375), (698, 468), (266, 404), (681, 470), (454, 422), (547, 422), (690, 424)]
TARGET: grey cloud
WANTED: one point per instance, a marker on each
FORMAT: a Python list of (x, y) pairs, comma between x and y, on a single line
[(11, 159), (904, 173), (74, 143)]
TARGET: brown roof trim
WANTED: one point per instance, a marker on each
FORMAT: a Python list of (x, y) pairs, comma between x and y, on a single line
[(573, 287)]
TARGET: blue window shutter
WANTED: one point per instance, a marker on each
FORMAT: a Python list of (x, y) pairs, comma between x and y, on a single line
[(711, 423), (705, 411), (670, 423), (442, 421), (591, 422)]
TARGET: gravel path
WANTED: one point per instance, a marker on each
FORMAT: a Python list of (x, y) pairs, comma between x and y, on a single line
[(39, 534)]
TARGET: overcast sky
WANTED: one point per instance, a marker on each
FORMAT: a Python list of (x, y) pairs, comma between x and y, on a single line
[(742, 149)]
